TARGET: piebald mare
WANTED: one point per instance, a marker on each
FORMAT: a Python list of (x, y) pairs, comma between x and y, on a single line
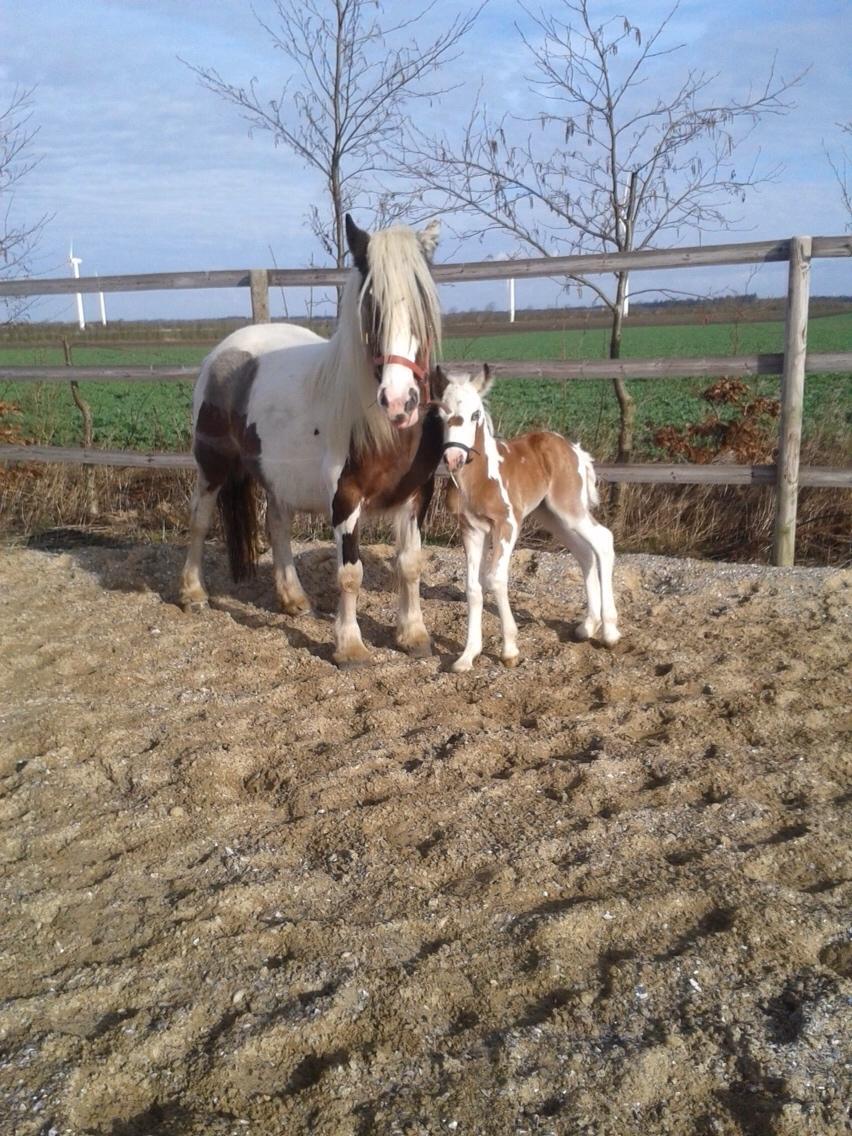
[(497, 484), (337, 425)]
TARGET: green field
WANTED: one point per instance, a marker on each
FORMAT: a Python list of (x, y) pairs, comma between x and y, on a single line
[(156, 416)]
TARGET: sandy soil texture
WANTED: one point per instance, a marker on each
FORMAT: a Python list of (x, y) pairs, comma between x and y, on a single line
[(244, 892)]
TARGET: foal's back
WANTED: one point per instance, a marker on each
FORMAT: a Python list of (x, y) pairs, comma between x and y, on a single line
[(542, 467)]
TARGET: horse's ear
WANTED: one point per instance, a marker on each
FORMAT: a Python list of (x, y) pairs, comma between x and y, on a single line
[(357, 240), (439, 383), (482, 382), (428, 238)]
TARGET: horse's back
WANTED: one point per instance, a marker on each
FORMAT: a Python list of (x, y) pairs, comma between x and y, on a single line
[(260, 338), (228, 373)]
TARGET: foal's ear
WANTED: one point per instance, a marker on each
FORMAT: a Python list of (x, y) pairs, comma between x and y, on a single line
[(357, 239), (428, 238), (482, 382), (438, 381)]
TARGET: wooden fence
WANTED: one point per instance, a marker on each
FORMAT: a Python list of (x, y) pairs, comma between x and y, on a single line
[(791, 366)]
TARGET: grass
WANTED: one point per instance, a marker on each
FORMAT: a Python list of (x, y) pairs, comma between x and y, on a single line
[(727, 522), (157, 416)]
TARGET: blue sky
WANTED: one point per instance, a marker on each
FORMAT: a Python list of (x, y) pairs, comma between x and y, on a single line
[(147, 171)]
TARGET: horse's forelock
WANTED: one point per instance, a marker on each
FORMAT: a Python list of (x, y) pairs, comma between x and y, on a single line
[(399, 274)]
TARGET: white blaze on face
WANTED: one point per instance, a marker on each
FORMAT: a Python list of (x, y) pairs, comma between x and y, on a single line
[(399, 393), (463, 415)]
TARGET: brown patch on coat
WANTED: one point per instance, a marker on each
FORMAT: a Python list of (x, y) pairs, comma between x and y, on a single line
[(384, 481), (533, 466), (225, 442)]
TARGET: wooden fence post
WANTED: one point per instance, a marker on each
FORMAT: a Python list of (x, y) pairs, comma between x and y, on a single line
[(259, 279), (792, 401)]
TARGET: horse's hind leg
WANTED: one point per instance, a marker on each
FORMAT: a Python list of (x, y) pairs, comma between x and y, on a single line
[(411, 633), (193, 594), (291, 594)]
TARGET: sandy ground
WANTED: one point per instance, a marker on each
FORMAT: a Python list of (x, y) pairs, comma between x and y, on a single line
[(244, 892)]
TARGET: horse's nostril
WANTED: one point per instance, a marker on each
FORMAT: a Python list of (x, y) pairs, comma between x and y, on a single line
[(383, 398), (413, 399)]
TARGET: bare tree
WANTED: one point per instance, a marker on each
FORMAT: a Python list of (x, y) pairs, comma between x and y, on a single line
[(840, 163), (18, 238), (340, 110), (612, 162)]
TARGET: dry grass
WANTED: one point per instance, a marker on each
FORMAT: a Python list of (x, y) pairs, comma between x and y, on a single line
[(714, 522)]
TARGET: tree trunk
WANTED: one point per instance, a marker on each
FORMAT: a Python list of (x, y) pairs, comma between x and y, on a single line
[(82, 405), (626, 404)]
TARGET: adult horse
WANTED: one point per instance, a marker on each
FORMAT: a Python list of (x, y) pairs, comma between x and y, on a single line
[(338, 425)]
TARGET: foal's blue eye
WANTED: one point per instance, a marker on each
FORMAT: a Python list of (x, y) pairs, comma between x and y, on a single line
[(475, 416)]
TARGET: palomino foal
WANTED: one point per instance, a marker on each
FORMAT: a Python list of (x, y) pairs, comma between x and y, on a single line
[(500, 483)]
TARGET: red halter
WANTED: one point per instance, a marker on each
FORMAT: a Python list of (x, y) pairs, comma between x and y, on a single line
[(420, 372)]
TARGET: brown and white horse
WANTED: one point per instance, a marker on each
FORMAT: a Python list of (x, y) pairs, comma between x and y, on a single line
[(497, 484), (337, 425)]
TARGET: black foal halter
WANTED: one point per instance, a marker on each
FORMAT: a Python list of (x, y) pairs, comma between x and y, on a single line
[(469, 450)]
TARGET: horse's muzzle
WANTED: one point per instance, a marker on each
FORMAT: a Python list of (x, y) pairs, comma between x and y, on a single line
[(403, 412)]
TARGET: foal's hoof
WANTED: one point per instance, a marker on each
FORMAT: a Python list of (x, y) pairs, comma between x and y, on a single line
[(510, 660)]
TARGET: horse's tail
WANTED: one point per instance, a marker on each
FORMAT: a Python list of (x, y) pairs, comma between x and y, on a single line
[(588, 477), (238, 510)]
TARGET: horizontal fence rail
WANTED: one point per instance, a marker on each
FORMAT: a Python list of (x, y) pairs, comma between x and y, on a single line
[(656, 473), (699, 367), (791, 365), (700, 256)]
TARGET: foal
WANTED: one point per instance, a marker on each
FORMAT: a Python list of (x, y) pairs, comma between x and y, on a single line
[(497, 485)]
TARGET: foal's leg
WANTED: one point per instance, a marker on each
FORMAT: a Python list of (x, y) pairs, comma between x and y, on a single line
[(193, 594), (474, 542), (591, 544), (600, 539), (411, 633), (349, 649), (503, 539), (291, 594)]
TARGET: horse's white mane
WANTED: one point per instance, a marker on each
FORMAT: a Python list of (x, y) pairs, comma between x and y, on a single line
[(399, 275)]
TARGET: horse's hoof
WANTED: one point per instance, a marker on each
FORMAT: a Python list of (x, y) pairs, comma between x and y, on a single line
[(510, 660), (422, 649), (296, 607), (195, 607), (581, 633), (353, 664), (462, 666), (351, 655)]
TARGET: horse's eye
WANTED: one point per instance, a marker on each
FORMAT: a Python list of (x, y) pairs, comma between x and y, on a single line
[(475, 416)]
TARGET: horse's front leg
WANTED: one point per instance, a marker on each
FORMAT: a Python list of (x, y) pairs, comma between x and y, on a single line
[(349, 649), (411, 633), (474, 540)]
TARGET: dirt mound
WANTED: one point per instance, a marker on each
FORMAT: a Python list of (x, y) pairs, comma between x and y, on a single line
[(245, 892)]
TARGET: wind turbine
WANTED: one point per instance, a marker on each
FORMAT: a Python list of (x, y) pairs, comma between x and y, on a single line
[(101, 303), (75, 262)]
